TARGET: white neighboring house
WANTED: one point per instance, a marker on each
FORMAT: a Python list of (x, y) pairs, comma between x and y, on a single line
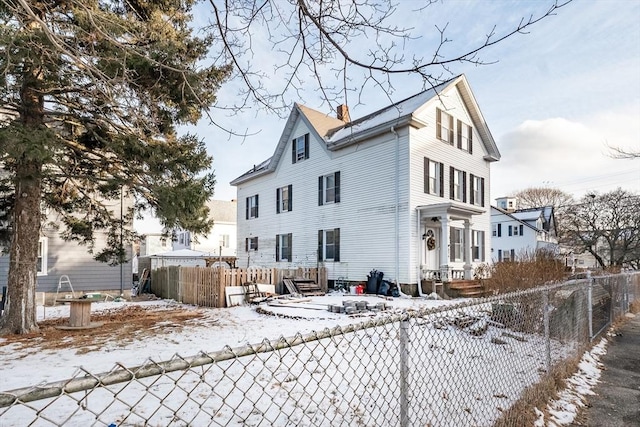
[(154, 243), (222, 234), (403, 190), (518, 231)]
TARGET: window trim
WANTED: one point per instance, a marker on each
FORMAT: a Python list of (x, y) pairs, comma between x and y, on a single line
[(455, 246), (462, 138), (322, 245), (478, 241), (461, 185), (474, 181), (284, 241), (322, 191), (438, 168), (43, 255), (441, 116), (251, 244), (296, 154), (280, 201), (249, 213)]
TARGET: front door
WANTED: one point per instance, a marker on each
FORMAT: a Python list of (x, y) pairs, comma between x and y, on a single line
[(431, 249)]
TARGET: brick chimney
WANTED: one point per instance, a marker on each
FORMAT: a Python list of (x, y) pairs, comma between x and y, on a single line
[(343, 113)]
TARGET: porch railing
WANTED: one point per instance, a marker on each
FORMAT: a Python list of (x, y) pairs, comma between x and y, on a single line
[(445, 274)]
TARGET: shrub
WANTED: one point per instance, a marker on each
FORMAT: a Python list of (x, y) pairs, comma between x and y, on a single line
[(530, 269)]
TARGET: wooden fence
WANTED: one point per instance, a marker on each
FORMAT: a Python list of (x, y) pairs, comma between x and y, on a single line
[(204, 286)]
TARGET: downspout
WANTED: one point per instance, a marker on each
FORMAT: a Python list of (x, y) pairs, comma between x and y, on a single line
[(418, 253), (397, 219)]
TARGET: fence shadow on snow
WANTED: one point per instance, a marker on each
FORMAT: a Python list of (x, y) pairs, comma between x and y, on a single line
[(455, 365)]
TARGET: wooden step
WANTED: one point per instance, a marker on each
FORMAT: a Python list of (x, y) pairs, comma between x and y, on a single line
[(465, 284)]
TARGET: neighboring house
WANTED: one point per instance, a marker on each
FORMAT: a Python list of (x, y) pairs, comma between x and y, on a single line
[(515, 232), (403, 190), (57, 257), (153, 243), (222, 234)]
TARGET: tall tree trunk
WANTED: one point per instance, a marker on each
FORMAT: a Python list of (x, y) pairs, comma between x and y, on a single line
[(20, 308)]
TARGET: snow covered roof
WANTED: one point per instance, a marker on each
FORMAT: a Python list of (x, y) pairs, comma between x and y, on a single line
[(180, 253)]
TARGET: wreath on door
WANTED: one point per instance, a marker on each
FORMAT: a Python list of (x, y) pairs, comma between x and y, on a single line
[(431, 240)]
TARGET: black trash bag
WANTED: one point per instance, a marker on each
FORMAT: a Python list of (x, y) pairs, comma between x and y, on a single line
[(384, 288), (372, 282), (394, 291)]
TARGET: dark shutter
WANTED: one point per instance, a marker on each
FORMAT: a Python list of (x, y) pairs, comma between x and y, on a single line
[(521, 229), (290, 247), (464, 187), (293, 151), (510, 230), (451, 141), (336, 244), (277, 247), (426, 175), (483, 245), (459, 134), (513, 254), (277, 200), (247, 208), (306, 146), (246, 244), (441, 179), (499, 230), (320, 245), (320, 195), (482, 192), (472, 186), (500, 255), (471, 141), (438, 123), (337, 188), (451, 173), (290, 194)]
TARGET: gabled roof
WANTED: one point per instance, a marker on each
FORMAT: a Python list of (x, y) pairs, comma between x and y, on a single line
[(337, 134), (525, 221)]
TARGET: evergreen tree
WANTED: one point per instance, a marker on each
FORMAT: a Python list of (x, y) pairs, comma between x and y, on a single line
[(91, 92)]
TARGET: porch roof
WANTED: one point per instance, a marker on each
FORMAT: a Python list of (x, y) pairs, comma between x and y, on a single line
[(453, 210)]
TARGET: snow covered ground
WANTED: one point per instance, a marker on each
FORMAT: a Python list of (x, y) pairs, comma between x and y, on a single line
[(454, 375)]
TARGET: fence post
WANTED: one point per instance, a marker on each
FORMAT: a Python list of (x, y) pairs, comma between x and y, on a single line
[(404, 370), (625, 296), (590, 303), (547, 334)]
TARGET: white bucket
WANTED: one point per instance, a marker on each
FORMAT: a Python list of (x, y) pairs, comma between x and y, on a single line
[(352, 290)]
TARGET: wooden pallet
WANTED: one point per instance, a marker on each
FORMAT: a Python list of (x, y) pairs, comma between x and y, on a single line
[(305, 287)]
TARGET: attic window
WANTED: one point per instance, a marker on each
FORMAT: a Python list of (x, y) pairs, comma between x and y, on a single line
[(300, 148), (444, 126)]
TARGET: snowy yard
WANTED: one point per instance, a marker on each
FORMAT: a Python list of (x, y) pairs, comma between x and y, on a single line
[(456, 374)]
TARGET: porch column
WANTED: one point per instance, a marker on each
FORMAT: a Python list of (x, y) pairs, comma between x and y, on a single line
[(444, 248), (468, 273)]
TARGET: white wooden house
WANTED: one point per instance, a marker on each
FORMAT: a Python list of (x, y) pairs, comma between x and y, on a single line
[(403, 190), (221, 239), (516, 232)]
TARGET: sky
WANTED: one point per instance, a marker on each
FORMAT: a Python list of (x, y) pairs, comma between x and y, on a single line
[(554, 98)]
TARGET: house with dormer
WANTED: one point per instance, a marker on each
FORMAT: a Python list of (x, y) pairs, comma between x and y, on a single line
[(521, 232), (403, 190)]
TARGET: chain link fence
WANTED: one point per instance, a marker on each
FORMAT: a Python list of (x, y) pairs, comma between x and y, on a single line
[(455, 365)]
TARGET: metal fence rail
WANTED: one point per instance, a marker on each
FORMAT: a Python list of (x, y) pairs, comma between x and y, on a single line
[(460, 365)]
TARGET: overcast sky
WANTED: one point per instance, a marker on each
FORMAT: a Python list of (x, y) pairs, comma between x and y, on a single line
[(553, 98)]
